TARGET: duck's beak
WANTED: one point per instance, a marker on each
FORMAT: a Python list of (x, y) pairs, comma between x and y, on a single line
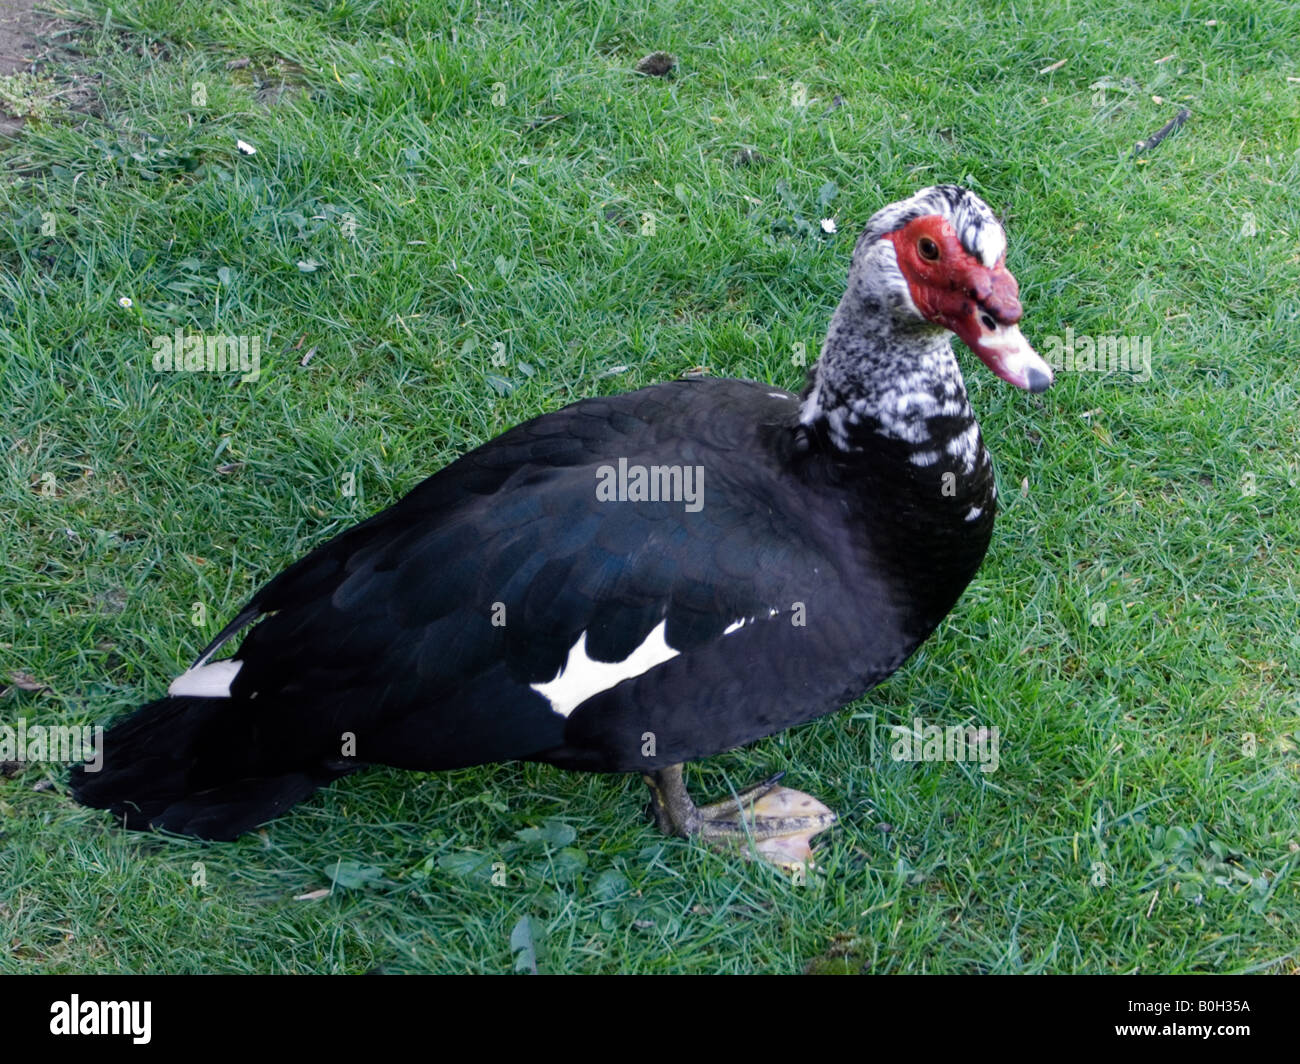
[(984, 310), (1003, 348)]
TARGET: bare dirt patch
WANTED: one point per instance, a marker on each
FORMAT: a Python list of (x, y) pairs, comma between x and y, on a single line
[(19, 26), (34, 75)]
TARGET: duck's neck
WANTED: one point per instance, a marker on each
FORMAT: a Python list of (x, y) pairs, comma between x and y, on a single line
[(878, 378), (888, 408)]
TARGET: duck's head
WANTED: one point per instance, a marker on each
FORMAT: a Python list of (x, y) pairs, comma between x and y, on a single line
[(940, 258)]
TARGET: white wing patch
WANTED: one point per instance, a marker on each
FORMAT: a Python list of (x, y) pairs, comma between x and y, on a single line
[(736, 626), (207, 681), (580, 677)]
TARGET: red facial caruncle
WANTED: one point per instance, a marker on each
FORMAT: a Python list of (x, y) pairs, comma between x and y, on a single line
[(981, 304)]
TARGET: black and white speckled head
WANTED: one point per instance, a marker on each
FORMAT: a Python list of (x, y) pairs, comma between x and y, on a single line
[(971, 218), (924, 268)]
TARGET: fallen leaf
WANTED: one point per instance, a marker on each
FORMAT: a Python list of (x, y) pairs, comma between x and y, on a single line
[(26, 682)]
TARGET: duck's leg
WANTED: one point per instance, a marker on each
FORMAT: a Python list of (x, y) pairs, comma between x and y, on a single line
[(781, 821)]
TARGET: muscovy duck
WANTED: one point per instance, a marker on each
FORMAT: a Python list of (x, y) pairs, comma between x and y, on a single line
[(628, 583)]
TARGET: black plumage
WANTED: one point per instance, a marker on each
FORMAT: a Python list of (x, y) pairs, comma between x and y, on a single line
[(821, 554)]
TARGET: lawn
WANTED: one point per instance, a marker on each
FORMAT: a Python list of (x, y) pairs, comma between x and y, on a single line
[(458, 217)]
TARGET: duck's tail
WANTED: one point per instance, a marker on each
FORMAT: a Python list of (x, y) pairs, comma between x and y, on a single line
[(196, 766)]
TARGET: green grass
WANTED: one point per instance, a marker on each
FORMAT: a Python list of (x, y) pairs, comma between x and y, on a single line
[(441, 224)]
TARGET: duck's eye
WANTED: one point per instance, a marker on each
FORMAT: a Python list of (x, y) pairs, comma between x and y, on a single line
[(928, 249)]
